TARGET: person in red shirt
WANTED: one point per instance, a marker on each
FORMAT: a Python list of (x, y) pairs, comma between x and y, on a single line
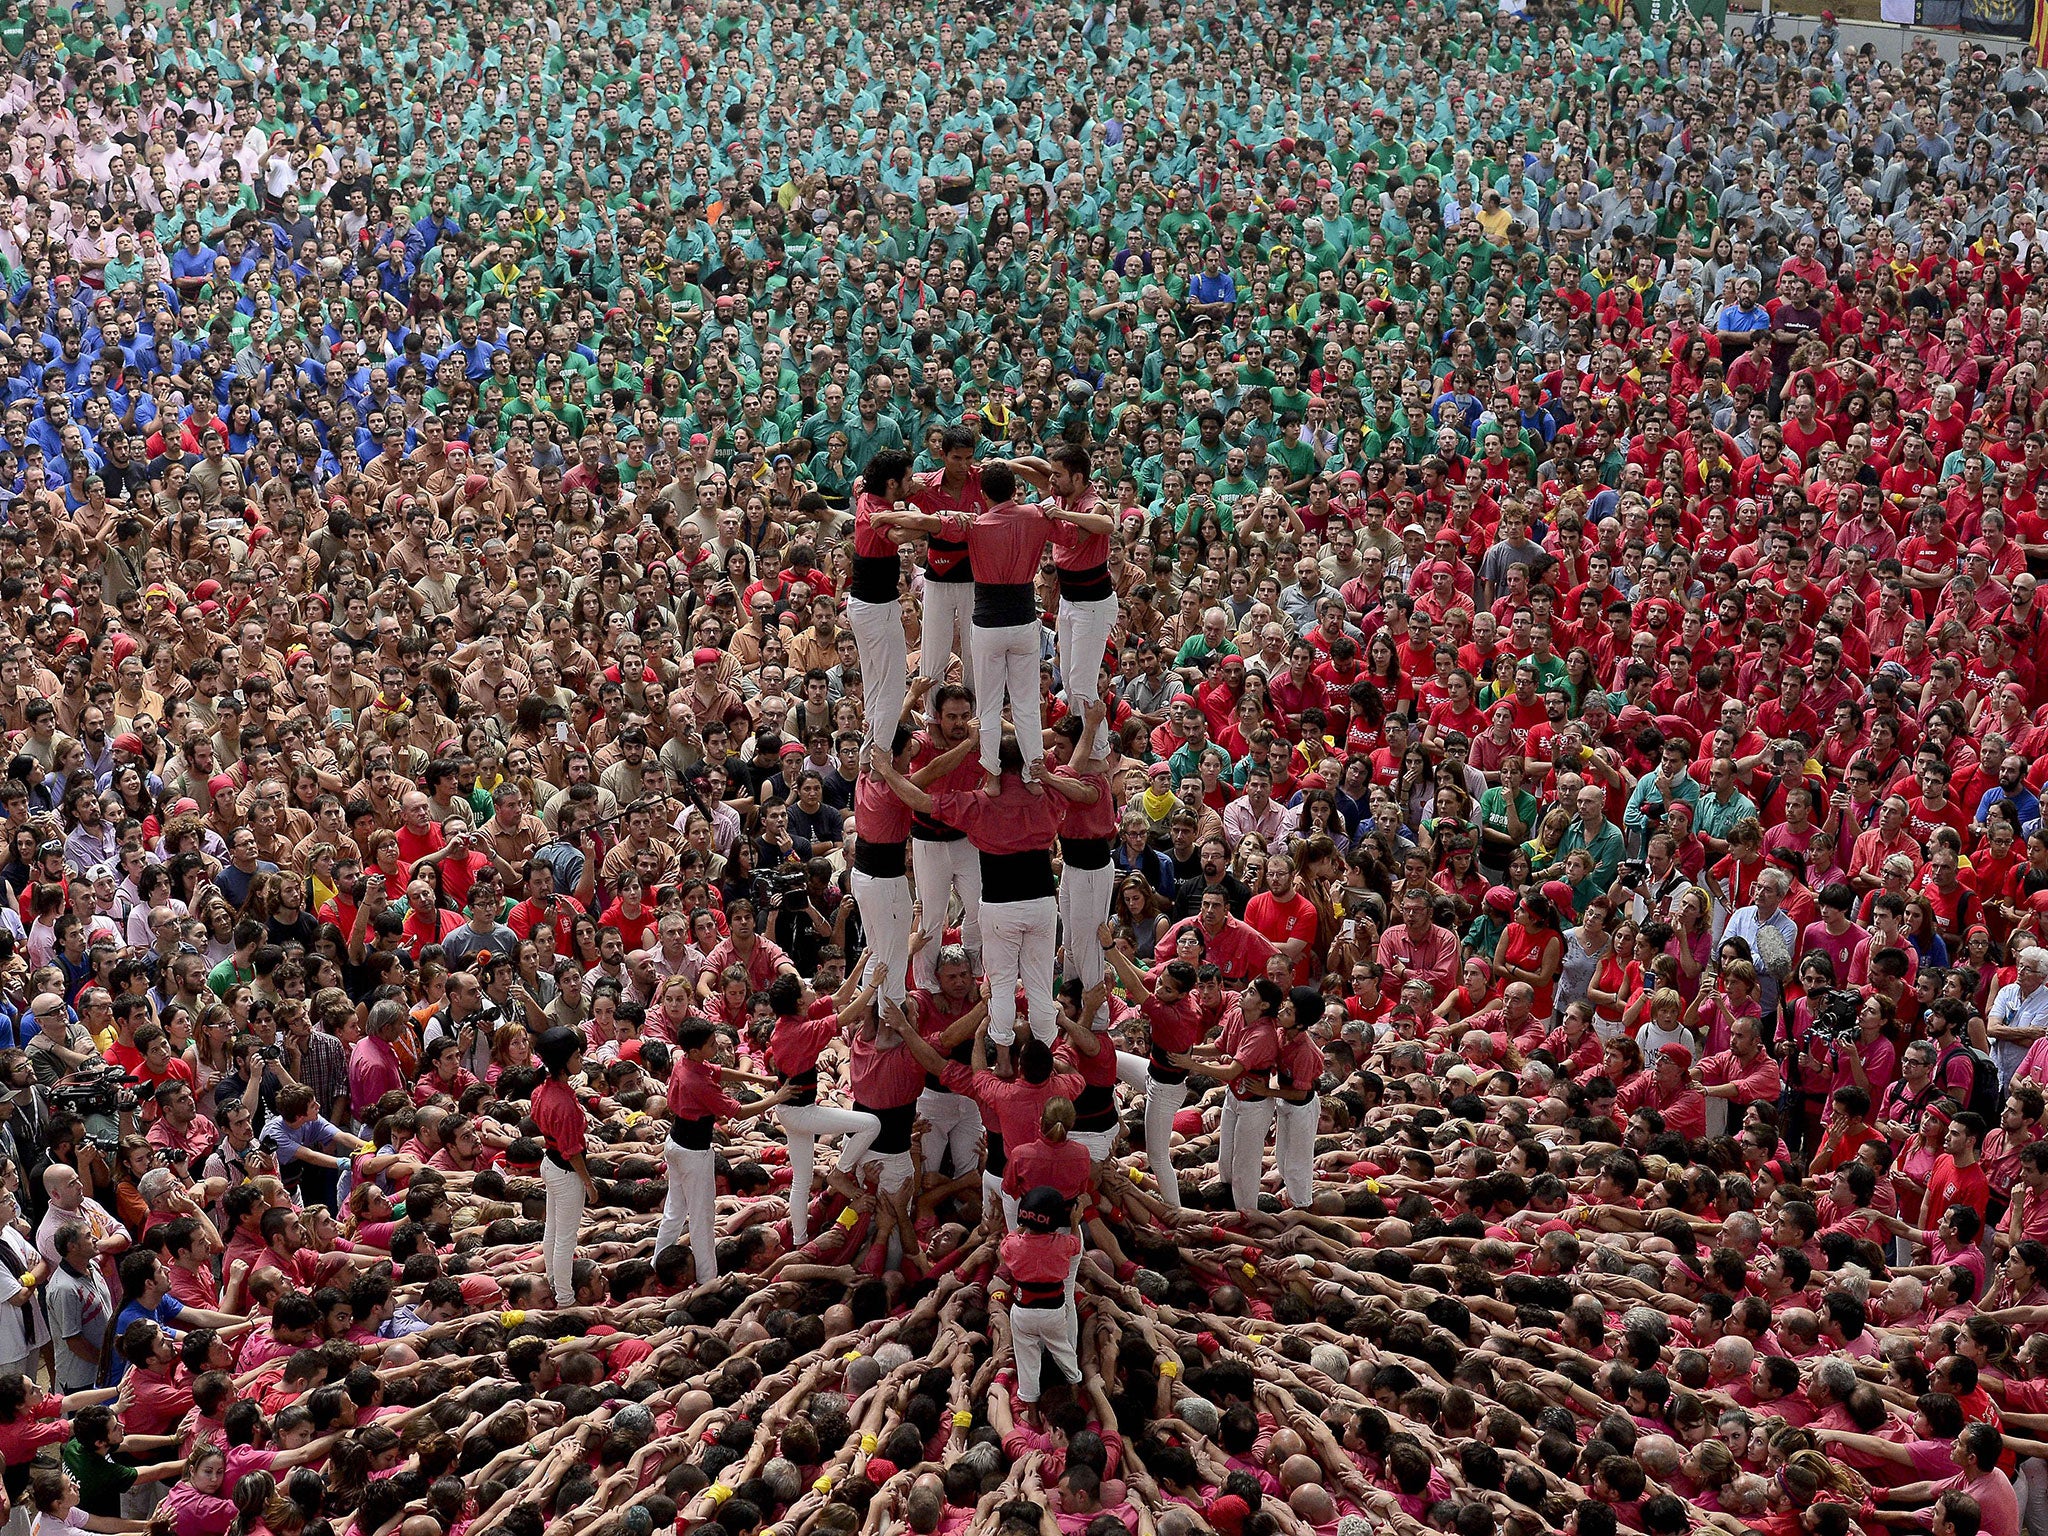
[(1958, 1177), (697, 1100), (1176, 1028), (1285, 917), (1036, 1260), (559, 1116)]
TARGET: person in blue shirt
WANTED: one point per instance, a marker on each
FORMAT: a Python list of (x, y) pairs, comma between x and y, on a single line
[(145, 1299), (1212, 292), (310, 1145), (2012, 786), (191, 263), (1745, 319)]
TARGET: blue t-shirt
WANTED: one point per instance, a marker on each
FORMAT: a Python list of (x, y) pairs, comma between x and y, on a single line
[(316, 1135), (166, 1313)]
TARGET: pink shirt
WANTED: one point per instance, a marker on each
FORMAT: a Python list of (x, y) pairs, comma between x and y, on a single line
[(1240, 951), (1016, 821), (1005, 541), (1434, 957)]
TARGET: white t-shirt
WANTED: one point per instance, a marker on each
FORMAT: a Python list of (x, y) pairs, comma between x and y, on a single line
[(22, 1328), (74, 1519)]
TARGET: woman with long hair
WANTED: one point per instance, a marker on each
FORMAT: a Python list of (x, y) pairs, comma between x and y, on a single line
[(1531, 950), (559, 1115)]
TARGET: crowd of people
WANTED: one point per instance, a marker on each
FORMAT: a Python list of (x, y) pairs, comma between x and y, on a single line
[(1046, 771)]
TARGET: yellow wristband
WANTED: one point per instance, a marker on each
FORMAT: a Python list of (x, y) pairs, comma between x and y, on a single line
[(512, 1319), (1251, 1269), (1255, 1338), (849, 1217), (869, 1444), (718, 1493), (853, 1354), (1372, 1186), (962, 1419), (824, 1483), (1169, 1368), (1137, 1175), (28, 1281)]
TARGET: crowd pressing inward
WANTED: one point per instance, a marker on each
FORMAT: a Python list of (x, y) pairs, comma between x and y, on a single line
[(796, 770)]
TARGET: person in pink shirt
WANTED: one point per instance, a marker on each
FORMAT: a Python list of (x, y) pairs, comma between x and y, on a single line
[(1013, 825), (196, 1506), (1036, 1259), (1417, 947)]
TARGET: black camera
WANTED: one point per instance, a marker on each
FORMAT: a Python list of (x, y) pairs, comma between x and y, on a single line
[(1839, 1017), (1633, 872), (773, 886), (101, 1090)]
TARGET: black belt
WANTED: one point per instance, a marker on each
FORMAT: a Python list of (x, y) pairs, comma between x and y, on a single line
[(896, 1126), (876, 578), (1011, 877), (692, 1135), (1004, 605), (998, 1159), (1090, 585), (880, 861), (559, 1161), (1085, 852), (925, 830), (806, 1084), (1163, 1071), (959, 573), (1095, 1107), (1042, 1295)]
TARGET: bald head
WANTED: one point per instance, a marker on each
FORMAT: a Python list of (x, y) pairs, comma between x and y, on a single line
[(64, 1187), (1298, 1472), (1731, 1357)]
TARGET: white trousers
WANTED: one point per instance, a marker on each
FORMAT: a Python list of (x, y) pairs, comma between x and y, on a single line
[(1007, 662), (1162, 1103), (1017, 943), (1226, 1133), (1099, 1143), (884, 665), (565, 1202), (1248, 1151), (803, 1124), (1083, 640), (692, 1201), (948, 621), (1084, 897), (993, 1199), (1035, 1333), (896, 1169), (955, 1122), (1294, 1148), (941, 869), (884, 905)]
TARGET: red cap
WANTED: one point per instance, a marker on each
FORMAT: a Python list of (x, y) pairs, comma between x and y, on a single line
[(1560, 896), (128, 741), (1681, 1054), (220, 784)]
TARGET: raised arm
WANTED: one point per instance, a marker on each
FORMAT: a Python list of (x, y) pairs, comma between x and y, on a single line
[(904, 789)]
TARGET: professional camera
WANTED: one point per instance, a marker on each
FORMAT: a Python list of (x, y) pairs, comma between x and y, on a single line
[(772, 887), (101, 1090), (1839, 1017), (1633, 872)]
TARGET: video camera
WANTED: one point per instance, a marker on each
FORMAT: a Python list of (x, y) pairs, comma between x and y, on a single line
[(1839, 1017), (101, 1090)]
